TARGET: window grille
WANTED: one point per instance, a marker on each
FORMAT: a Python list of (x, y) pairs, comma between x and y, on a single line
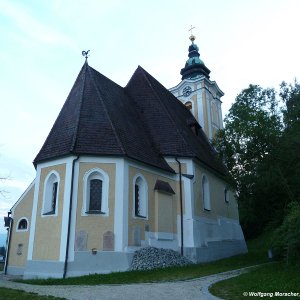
[(95, 195)]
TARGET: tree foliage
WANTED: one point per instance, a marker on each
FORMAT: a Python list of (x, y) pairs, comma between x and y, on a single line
[(286, 242), (260, 147)]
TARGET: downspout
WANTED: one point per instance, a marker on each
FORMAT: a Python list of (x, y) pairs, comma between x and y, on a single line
[(69, 221), (181, 205), (8, 242)]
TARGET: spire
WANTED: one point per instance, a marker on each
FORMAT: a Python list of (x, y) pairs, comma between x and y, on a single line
[(194, 66)]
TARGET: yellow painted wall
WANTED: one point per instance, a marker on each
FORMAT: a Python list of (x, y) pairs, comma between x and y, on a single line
[(205, 116), (215, 115), (139, 222), (96, 225), (218, 205), (195, 105), (48, 228), (23, 209)]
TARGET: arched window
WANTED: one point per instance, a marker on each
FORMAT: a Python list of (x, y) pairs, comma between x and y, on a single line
[(226, 199), (205, 193), (189, 105), (22, 224), (95, 192), (51, 187), (140, 197)]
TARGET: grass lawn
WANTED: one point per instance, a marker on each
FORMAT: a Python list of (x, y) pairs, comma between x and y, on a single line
[(274, 277), (269, 278), (10, 294), (257, 254)]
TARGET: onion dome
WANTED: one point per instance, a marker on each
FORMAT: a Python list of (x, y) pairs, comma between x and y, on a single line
[(194, 66)]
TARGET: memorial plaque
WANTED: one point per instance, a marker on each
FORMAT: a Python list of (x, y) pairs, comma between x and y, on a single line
[(137, 236), (81, 240), (108, 241), (20, 249)]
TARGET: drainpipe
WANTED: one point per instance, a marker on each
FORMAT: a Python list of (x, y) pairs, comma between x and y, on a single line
[(181, 205), (69, 221), (9, 220)]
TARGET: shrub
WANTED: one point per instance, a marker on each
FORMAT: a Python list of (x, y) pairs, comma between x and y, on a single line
[(286, 241)]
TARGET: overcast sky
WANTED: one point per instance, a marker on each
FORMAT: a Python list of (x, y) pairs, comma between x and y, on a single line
[(241, 42)]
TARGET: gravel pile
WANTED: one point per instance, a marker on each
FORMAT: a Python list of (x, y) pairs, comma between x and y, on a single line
[(149, 258)]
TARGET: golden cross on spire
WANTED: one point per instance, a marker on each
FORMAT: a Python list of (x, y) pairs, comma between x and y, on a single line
[(191, 29), (192, 37)]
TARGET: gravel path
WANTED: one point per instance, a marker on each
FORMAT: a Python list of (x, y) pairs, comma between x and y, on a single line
[(187, 290)]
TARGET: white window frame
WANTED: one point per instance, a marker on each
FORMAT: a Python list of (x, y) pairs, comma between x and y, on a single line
[(47, 197), (95, 173), (143, 187), (205, 193), (226, 195), (18, 223)]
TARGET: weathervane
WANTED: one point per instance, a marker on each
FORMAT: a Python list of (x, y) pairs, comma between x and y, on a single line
[(85, 54)]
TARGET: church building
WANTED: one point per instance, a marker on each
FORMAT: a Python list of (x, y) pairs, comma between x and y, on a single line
[(124, 168)]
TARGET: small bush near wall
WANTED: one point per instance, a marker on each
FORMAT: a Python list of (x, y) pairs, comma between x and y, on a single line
[(286, 238)]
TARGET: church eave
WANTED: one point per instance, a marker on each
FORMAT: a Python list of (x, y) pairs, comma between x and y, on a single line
[(165, 168)]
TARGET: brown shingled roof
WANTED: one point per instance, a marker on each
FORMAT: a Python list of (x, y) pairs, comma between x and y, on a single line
[(142, 121), (169, 121)]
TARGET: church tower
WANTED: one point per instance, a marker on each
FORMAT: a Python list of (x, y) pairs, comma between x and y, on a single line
[(201, 95)]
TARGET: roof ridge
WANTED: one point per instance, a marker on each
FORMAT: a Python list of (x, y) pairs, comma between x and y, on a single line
[(106, 111), (79, 113), (165, 108), (56, 120)]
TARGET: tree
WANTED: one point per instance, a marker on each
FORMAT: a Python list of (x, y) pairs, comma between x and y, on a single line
[(291, 96), (286, 243), (288, 154), (252, 131)]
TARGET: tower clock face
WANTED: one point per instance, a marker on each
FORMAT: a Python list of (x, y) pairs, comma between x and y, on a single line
[(187, 91)]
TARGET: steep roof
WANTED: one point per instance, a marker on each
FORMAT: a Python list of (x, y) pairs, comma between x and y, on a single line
[(98, 119), (142, 121), (169, 122)]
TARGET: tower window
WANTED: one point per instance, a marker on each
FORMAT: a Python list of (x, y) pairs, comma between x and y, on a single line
[(189, 105)]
